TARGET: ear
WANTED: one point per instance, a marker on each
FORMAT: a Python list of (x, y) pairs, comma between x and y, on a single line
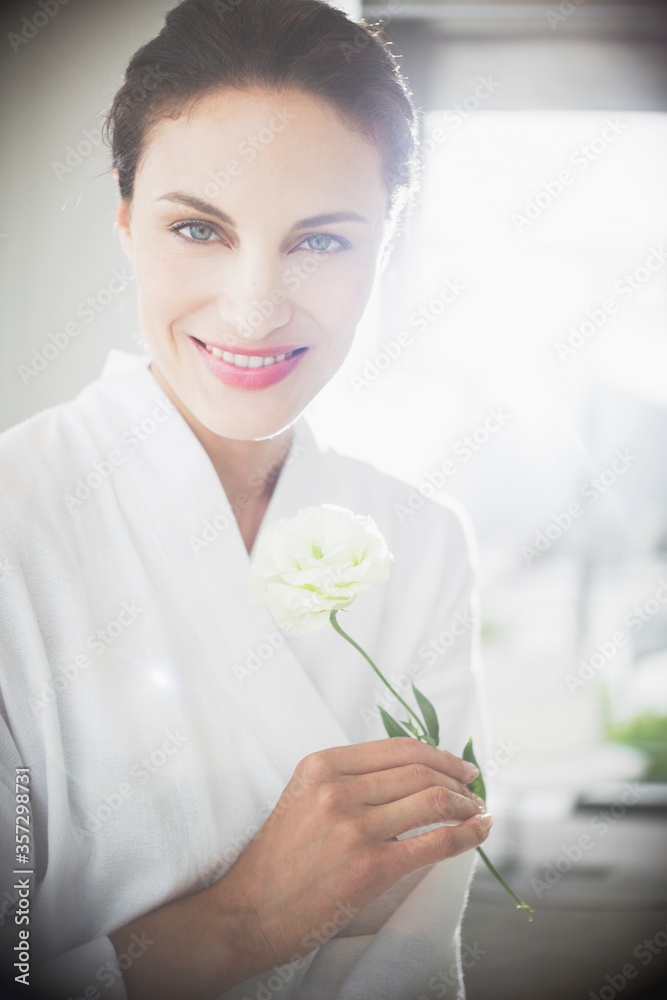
[(123, 222)]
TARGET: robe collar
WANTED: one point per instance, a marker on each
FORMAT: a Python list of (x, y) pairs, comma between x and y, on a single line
[(190, 517)]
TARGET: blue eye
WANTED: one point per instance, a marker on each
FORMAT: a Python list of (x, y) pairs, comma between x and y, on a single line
[(322, 243), (319, 242), (202, 230), (196, 231)]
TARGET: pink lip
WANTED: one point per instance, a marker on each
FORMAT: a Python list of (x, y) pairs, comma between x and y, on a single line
[(249, 378)]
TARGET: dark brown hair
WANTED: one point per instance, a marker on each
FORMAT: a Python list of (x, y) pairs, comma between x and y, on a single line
[(304, 45)]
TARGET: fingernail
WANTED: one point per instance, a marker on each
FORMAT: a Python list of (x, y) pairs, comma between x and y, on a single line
[(470, 772), (486, 821), (480, 802)]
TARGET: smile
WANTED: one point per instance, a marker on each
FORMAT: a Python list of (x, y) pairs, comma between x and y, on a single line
[(248, 360), (248, 371)]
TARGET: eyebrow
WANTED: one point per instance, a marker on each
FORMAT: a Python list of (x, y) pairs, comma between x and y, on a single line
[(181, 198)]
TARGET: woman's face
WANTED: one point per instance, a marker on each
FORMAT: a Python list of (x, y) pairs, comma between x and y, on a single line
[(255, 229)]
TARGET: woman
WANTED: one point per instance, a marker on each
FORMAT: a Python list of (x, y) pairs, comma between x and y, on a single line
[(215, 809)]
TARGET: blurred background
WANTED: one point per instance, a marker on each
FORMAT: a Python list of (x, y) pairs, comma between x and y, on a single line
[(514, 357)]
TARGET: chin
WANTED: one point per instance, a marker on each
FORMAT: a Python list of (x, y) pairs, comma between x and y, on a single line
[(253, 427)]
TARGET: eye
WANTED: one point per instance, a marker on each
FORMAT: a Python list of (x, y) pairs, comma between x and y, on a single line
[(200, 232), (323, 243)]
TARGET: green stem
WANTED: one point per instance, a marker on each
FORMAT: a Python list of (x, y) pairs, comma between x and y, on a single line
[(332, 618), (334, 622), (520, 905)]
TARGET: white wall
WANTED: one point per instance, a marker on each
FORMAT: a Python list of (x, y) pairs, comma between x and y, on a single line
[(57, 247)]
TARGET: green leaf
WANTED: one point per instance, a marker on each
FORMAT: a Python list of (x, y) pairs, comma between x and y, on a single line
[(393, 727), (429, 714), (411, 726), (477, 786)]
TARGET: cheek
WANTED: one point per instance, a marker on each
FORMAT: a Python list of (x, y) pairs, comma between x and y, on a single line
[(335, 294), (168, 285)]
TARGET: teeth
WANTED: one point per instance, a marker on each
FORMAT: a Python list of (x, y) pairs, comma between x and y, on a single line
[(246, 360)]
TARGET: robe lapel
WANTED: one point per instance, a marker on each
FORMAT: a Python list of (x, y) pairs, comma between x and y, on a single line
[(190, 517)]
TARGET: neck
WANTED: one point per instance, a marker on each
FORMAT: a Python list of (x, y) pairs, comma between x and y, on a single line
[(248, 470)]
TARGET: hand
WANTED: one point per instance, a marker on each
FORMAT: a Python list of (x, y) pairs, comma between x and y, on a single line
[(330, 845)]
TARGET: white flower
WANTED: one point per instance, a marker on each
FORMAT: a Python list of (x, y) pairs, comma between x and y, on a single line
[(306, 566)]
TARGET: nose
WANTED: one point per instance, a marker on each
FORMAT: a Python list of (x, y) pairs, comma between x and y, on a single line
[(253, 301)]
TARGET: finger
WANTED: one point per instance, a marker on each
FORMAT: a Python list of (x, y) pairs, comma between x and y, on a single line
[(433, 805), (444, 842), (394, 783), (376, 755)]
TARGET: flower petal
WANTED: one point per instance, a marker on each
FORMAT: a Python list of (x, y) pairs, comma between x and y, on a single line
[(306, 566)]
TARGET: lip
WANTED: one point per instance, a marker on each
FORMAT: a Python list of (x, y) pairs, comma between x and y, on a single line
[(249, 378)]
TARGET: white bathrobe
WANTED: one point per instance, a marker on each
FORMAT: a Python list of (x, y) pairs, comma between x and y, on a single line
[(161, 715)]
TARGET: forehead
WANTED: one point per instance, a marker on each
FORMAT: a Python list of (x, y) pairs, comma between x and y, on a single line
[(273, 141)]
